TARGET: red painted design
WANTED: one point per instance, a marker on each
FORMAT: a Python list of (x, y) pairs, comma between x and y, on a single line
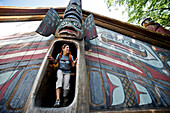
[(4, 87), (22, 45), (119, 60), (111, 87), (125, 48), (91, 32), (157, 75), (138, 92), (157, 49), (23, 57), (25, 50), (113, 64), (11, 37), (88, 34), (108, 50)]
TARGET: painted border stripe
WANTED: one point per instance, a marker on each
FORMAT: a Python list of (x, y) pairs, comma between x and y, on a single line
[(25, 50), (108, 50), (4, 87), (22, 37), (125, 48), (112, 57), (91, 58), (26, 57), (110, 61), (25, 44), (18, 54), (10, 37)]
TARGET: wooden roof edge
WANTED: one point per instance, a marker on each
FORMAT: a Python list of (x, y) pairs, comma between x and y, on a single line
[(111, 23), (8, 13), (13, 7), (27, 11), (136, 32)]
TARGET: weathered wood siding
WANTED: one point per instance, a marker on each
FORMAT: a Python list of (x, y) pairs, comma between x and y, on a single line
[(21, 55), (126, 73)]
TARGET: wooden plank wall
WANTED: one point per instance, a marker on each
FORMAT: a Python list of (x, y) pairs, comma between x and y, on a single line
[(20, 58)]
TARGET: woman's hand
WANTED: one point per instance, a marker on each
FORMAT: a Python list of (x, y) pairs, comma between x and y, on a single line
[(49, 57), (74, 62)]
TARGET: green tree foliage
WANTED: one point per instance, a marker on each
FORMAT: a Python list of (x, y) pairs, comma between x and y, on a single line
[(158, 10)]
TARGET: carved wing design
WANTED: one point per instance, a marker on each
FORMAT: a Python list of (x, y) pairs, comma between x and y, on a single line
[(49, 23), (90, 28)]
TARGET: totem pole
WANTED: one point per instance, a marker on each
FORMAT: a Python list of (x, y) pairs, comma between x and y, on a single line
[(71, 26), (150, 24)]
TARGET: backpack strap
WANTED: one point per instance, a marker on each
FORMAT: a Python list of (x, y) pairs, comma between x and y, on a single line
[(59, 57), (69, 57), (56, 65)]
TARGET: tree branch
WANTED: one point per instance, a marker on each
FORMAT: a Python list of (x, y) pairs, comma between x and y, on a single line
[(157, 9)]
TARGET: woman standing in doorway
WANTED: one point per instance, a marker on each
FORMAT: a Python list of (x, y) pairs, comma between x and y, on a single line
[(66, 61)]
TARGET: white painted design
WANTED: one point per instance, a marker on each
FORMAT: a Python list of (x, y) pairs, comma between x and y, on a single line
[(23, 53), (4, 77), (112, 60), (168, 63), (150, 59), (118, 93), (144, 98)]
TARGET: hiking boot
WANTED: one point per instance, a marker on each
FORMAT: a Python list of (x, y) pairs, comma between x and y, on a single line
[(57, 103), (65, 101)]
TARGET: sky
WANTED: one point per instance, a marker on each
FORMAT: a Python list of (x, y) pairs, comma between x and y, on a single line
[(96, 6)]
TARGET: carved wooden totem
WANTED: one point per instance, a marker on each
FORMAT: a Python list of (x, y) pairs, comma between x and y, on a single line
[(71, 26)]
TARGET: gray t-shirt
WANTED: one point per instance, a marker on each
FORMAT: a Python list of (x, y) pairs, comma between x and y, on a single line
[(64, 63)]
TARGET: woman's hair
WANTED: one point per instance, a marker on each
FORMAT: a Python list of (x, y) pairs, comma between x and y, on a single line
[(64, 45)]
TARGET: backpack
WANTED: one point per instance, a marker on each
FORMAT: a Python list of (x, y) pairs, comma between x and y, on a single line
[(60, 55), (69, 56)]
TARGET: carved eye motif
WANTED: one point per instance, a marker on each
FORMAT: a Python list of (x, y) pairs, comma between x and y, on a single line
[(64, 23), (73, 7), (76, 24)]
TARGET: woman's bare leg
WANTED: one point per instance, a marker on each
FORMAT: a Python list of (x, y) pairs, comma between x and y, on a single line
[(58, 91)]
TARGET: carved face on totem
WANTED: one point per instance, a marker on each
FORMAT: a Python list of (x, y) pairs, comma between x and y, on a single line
[(70, 28)]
